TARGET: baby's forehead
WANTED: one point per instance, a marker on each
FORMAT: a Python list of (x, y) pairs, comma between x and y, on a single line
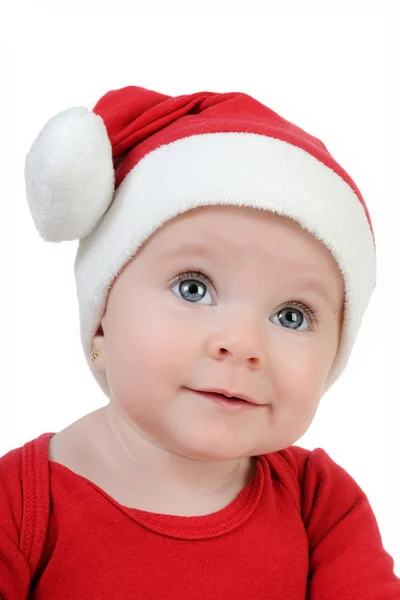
[(235, 230), (248, 239)]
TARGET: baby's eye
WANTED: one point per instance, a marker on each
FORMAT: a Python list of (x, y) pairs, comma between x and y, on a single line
[(293, 318), (193, 287)]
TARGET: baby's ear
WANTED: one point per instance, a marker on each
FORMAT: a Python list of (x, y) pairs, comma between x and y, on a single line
[(98, 356)]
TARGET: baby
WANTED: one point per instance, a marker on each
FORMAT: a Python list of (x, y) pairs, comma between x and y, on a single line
[(225, 262)]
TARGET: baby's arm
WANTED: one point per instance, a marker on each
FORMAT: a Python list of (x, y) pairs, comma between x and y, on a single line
[(347, 557), (15, 575), (14, 570)]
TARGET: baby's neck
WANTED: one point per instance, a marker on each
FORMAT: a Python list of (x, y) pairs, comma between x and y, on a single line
[(92, 448)]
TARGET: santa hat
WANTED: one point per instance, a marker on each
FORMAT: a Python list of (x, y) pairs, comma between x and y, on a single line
[(112, 176)]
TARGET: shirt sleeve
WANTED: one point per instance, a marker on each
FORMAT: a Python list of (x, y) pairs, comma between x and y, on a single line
[(347, 560), (14, 569)]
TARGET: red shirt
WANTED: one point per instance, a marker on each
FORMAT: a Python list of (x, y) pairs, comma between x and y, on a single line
[(302, 529)]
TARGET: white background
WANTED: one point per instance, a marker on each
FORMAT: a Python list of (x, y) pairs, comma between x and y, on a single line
[(325, 66)]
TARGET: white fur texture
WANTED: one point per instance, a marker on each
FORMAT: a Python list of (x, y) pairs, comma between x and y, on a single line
[(69, 175), (239, 169)]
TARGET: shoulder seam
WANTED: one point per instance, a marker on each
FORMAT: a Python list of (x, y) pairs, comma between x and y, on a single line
[(36, 499), (293, 479)]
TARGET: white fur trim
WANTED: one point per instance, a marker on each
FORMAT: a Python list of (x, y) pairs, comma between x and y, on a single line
[(236, 169), (69, 175)]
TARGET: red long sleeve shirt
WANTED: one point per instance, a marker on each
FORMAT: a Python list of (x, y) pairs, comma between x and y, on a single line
[(302, 529)]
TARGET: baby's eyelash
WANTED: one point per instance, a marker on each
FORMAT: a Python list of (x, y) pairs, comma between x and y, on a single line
[(310, 312), (195, 275)]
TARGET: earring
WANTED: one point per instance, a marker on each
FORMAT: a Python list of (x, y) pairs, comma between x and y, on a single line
[(95, 354)]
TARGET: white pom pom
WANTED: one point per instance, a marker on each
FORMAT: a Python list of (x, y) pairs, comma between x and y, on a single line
[(69, 175)]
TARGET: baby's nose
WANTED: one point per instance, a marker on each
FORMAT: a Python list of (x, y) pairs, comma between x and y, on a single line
[(240, 338)]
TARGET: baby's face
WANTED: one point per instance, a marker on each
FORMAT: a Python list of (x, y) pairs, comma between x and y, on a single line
[(223, 298)]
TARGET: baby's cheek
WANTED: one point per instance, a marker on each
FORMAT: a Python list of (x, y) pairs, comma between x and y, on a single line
[(299, 390)]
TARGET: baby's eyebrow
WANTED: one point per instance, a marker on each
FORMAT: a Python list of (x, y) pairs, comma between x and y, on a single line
[(311, 284), (188, 248)]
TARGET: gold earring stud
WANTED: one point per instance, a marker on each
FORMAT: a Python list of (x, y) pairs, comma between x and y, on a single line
[(95, 354)]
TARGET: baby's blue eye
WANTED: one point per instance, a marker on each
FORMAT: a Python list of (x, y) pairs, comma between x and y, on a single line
[(193, 290), (295, 319)]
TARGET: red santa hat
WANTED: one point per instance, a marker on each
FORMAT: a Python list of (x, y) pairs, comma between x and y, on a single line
[(113, 175)]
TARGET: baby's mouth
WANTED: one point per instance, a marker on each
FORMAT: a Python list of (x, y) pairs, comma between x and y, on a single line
[(222, 399)]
